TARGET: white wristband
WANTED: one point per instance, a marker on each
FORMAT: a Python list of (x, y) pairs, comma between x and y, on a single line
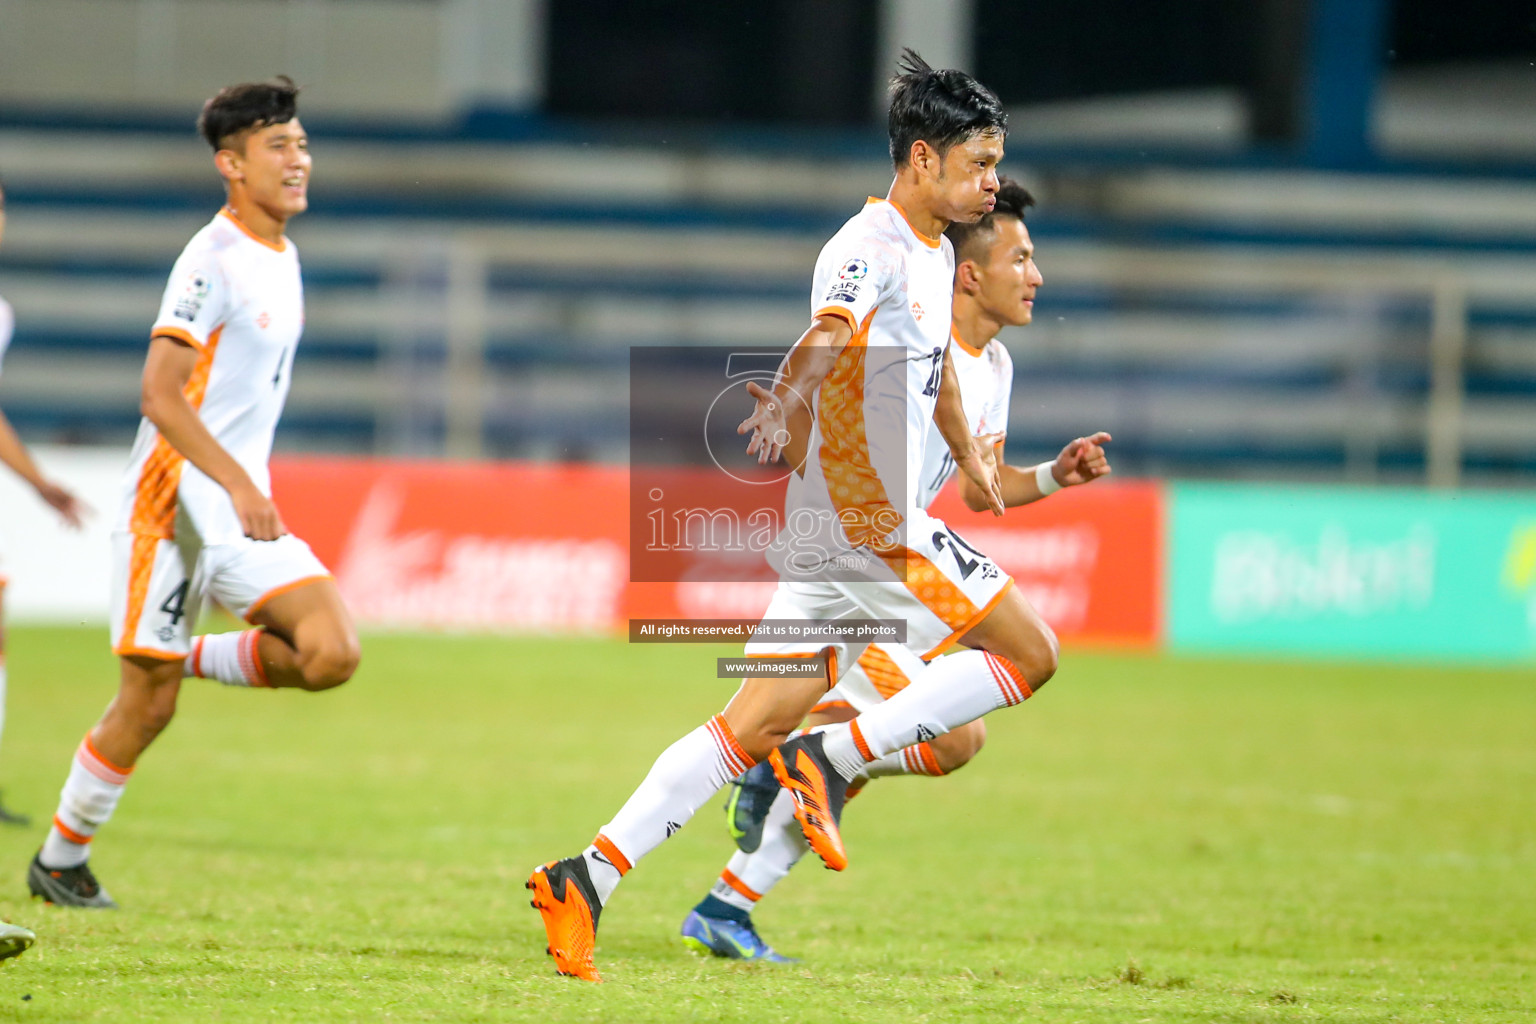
[(1045, 479)]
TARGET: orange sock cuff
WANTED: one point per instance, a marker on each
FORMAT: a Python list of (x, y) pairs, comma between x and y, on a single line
[(250, 658), (1009, 680), (605, 846), (735, 758), (859, 742), (742, 887), (90, 758), (69, 833)]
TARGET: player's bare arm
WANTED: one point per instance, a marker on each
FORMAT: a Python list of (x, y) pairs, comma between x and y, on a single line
[(164, 403), (780, 422), (15, 455), (973, 458), (1081, 461)]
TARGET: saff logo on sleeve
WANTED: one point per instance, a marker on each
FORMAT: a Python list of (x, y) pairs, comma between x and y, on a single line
[(853, 270), (192, 296)]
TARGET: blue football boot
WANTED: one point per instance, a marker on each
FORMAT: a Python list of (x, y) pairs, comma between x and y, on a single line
[(746, 808), (737, 940)]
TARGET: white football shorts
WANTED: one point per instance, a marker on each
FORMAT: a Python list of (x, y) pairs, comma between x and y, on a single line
[(945, 588), (155, 600)]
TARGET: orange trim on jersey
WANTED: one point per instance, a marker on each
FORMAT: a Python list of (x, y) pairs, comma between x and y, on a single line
[(954, 336), (607, 849), (858, 496), (742, 887), (154, 502), (859, 741), (253, 236), (928, 240), (841, 312), (91, 749), (71, 834), (883, 672), (970, 624), (177, 334), (280, 591)]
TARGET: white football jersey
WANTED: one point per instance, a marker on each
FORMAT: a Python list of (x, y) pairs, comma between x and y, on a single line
[(894, 287), (239, 302), (986, 387)]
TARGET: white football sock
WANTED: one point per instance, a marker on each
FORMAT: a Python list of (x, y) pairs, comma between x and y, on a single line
[(918, 759), (759, 871), (87, 801), (686, 774), (950, 692), (231, 658)]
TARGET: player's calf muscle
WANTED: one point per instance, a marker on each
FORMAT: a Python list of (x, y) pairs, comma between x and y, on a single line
[(956, 748), (329, 661)]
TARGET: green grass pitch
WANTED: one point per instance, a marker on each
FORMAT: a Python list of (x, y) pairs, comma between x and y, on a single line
[(1149, 839)]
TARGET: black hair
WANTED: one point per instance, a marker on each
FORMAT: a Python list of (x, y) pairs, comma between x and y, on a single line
[(943, 108), (1012, 200), (240, 109)]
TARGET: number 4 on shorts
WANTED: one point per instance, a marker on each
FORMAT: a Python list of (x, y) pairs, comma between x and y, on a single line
[(176, 605)]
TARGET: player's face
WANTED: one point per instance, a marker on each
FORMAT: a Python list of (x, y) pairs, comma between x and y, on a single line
[(1006, 282), (968, 178), (275, 168)]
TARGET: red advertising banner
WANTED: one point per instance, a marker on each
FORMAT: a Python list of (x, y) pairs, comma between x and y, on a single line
[(1089, 559), (533, 546)]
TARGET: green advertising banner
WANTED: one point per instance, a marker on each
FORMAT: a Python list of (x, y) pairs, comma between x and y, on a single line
[(1390, 573)]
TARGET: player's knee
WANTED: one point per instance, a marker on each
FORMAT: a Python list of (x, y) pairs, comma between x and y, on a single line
[(330, 662), (1035, 654)]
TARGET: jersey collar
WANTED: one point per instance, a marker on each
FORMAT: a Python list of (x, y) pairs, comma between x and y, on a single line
[(930, 242), (237, 222), (955, 335)]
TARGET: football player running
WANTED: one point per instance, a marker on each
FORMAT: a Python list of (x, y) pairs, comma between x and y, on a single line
[(995, 283)]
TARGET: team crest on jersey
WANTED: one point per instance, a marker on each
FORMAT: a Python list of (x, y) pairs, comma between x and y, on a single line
[(853, 270), (192, 296)]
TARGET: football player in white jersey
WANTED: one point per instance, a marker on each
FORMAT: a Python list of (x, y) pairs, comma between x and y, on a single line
[(15, 456), (995, 284), (875, 363), (197, 517)]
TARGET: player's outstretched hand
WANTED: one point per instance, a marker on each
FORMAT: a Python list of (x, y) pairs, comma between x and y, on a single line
[(981, 468), (63, 501), (258, 515), (1083, 460), (768, 423)]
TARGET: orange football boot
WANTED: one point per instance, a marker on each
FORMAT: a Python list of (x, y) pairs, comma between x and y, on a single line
[(563, 895), (819, 793)]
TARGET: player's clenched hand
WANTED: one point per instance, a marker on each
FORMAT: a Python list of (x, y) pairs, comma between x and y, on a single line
[(980, 467), (768, 423), (1082, 460), (63, 501), (258, 515)]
